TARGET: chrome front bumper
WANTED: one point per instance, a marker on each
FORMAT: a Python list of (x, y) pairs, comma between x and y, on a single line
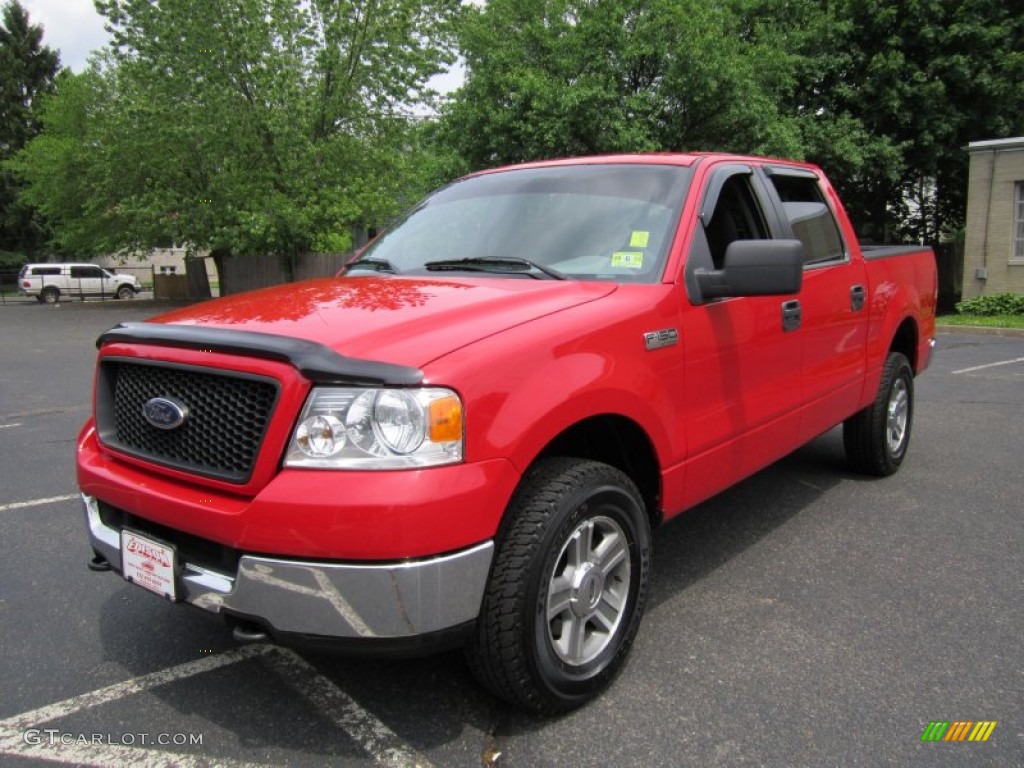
[(391, 600)]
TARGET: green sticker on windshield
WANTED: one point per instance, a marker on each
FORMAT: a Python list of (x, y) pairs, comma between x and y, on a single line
[(628, 259), (639, 239)]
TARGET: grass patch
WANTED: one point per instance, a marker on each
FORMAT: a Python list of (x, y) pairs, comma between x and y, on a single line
[(992, 321)]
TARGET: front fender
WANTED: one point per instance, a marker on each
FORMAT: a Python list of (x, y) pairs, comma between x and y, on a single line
[(567, 391)]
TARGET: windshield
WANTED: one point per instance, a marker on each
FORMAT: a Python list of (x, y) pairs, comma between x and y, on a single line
[(604, 222)]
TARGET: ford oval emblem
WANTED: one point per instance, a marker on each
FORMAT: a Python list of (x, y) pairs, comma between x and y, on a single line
[(165, 412)]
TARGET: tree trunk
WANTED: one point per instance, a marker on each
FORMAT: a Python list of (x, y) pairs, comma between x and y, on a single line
[(219, 255)]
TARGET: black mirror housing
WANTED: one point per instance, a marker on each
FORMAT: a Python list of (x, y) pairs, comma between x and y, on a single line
[(755, 268)]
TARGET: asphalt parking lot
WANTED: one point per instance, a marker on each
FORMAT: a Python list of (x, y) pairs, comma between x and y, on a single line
[(806, 617)]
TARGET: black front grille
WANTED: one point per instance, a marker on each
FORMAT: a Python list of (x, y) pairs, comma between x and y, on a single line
[(227, 416)]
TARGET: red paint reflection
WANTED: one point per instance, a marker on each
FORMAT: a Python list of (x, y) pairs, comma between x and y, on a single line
[(296, 301)]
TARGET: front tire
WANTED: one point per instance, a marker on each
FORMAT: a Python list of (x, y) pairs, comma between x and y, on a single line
[(125, 292), (567, 587), (876, 439)]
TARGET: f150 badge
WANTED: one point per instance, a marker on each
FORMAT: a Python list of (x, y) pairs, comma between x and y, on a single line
[(666, 337), (165, 412)]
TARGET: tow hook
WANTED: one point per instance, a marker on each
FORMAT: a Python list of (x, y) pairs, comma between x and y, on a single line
[(248, 632), (99, 563)]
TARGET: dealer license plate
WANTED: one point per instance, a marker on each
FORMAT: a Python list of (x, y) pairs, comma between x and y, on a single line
[(148, 563)]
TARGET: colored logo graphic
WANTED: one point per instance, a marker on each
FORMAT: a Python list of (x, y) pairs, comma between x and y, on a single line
[(958, 730)]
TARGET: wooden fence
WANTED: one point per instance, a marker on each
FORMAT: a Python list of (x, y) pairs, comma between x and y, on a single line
[(244, 273)]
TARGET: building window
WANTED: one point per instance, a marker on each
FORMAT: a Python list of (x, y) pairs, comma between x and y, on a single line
[(1018, 223)]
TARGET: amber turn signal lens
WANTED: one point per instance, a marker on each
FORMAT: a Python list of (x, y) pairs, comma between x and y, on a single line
[(445, 420)]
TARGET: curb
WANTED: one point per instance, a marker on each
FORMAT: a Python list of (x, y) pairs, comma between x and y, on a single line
[(979, 330), (77, 304)]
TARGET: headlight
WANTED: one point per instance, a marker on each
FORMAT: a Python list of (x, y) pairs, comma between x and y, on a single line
[(355, 428)]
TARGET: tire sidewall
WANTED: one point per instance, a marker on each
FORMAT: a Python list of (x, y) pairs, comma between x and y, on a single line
[(899, 370), (563, 680)]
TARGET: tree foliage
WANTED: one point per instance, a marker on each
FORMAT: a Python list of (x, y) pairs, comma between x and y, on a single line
[(27, 71), (567, 77), (931, 76), (244, 126), (883, 94), (250, 126)]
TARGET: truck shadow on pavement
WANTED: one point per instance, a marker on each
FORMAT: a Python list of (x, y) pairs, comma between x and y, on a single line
[(692, 546)]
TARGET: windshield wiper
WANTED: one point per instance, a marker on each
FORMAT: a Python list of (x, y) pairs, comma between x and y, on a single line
[(372, 265), (496, 264)]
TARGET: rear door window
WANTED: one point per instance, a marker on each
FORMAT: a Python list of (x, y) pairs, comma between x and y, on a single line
[(810, 218), (83, 272)]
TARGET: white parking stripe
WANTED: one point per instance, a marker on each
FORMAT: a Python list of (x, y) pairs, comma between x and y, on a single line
[(371, 734), (128, 687), (37, 502), (379, 741), (115, 756), (8, 426), (989, 365)]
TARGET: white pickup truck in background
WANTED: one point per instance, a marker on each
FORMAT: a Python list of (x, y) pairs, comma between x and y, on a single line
[(49, 282)]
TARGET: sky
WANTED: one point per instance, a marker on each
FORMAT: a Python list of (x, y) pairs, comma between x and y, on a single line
[(75, 29), (71, 26)]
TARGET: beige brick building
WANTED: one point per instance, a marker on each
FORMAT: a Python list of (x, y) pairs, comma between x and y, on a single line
[(994, 248)]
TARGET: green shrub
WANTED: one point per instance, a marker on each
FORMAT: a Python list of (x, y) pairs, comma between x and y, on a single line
[(993, 304)]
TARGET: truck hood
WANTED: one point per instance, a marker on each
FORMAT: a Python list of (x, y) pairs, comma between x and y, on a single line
[(398, 320)]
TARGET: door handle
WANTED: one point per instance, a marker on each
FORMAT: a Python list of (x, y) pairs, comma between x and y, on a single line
[(857, 297), (791, 315)]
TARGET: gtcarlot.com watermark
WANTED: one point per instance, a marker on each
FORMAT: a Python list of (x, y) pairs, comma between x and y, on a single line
[(52, 737)]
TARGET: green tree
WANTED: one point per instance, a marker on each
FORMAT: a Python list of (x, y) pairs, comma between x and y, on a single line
[(246, 126), (888, 93), (569, 77), (883, 94), (27, 71), (931, 76)]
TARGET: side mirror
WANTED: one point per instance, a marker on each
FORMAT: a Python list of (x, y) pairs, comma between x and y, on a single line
[(755, 268)]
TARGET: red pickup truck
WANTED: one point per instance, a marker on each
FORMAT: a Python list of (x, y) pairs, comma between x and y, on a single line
[(467, 437)]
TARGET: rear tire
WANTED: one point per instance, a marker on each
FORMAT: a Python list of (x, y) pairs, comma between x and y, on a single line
[(50, 295), (567, 587), (876, 439)]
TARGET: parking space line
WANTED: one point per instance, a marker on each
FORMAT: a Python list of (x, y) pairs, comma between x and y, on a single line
[(989, 365), (9, 426), (37, 502), (129, 687), (115, 756), (15, 742), (376, 739)]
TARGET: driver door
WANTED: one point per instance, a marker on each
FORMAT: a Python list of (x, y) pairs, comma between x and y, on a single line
[(743, 354)]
